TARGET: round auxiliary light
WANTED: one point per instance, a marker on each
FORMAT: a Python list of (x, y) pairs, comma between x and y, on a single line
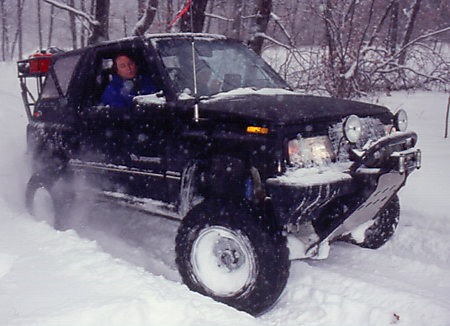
[(401, 120), (352, 128)]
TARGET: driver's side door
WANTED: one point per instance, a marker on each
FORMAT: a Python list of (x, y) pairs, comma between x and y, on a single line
[(105, 132)]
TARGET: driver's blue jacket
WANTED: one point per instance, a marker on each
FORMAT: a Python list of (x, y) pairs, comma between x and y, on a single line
[(120, 92)]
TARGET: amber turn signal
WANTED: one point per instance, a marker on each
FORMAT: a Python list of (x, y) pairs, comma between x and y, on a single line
[(257, 130)]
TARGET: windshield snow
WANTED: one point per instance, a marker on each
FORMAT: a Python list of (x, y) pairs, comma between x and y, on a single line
[(221, 66)]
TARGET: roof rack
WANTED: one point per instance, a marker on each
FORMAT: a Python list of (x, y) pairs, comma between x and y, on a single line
[(36, 67)]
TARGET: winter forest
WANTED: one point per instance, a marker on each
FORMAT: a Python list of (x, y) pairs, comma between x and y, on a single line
[(344, 48)]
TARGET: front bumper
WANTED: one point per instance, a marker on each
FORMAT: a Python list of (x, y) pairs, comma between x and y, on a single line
[(361, 187)]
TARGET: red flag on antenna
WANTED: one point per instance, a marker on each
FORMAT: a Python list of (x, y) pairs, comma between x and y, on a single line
[(181, 13)]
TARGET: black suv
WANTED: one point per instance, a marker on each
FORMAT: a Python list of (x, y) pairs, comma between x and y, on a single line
[(256, 173)]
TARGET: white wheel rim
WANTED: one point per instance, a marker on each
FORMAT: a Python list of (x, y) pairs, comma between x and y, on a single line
[(223, 261), (43, 206)]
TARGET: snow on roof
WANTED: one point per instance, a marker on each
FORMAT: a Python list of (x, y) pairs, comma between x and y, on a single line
[(196, 35)]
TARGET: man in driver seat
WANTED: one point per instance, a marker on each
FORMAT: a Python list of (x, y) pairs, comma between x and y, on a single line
[(126, 83)]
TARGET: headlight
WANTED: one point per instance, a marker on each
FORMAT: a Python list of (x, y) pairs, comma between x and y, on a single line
[(401, 120), (352, 128), (306, 152)]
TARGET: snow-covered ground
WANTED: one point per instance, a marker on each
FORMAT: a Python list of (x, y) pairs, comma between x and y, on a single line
[(118, 268)]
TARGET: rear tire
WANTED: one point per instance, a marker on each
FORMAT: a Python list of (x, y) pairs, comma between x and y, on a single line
[(223, 251), (45, 200)]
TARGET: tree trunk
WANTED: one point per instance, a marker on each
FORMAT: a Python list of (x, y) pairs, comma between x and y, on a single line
[(207, 28), (50, 26), (394, 28), (39, 18), (197, 10), (18, 39), (73, 27), (147, 12), (332, 50), (142, 6), (264, 10), (100, 32), (125, 26), (238, 6), (82, 31), (5, 40), (169, 15), (409, 29)]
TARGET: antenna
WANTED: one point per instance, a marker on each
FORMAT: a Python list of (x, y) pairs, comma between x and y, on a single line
[(194, 66)]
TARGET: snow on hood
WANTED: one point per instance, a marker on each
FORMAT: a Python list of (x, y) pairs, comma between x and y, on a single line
[(249, 91), (287, 107)]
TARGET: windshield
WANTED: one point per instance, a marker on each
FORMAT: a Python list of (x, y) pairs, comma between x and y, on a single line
[(221, 66)]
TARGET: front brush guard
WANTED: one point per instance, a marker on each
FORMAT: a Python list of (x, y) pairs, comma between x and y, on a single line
[(375, 176), (395, 151)]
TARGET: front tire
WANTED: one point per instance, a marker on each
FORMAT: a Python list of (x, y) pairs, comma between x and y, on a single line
[(382, 229), (223, 251)]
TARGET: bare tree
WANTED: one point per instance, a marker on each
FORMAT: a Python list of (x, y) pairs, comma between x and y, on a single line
[(169, 14), (18, 38), (50, 26), (100, 30), (412, 14), (147, 11), (83, 38), (393, 28), (264, 9), (5, 40), (72, 24), (237, 23), (39, 17), (197, 11), (364, 52), (98, 25)]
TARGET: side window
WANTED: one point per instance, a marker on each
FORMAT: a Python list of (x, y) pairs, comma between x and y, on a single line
[(64, 68), (49, 90), (105, 70)]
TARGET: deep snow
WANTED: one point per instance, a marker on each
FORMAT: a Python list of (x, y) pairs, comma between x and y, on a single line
[(117, 267)]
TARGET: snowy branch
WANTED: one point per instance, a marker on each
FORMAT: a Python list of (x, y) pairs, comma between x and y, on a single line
[(218, 17), (271, 39), (422, 37), (73, 10), (414, 71), (277, 21)]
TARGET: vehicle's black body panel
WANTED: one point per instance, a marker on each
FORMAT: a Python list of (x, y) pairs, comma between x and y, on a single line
[(288, 109)]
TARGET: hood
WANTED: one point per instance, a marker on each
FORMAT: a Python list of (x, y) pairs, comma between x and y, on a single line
[(286, 107)]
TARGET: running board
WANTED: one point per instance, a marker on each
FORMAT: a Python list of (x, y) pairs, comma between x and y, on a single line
[(144, 205)]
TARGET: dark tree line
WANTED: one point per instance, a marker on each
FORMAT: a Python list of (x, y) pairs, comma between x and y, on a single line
[(343, 47)]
